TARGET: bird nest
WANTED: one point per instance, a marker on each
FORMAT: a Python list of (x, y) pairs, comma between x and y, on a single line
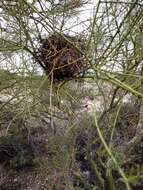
[(60, 59)]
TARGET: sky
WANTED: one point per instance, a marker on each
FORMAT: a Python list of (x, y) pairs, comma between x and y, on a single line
[(83, 19)]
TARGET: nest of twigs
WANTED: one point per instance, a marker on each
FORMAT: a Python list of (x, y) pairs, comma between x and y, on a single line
[(60, 58)]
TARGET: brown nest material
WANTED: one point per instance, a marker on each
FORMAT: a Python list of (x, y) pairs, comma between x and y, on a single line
[(60, 59)]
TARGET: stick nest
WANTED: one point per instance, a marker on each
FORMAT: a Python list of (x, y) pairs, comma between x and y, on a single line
[(60, 59)]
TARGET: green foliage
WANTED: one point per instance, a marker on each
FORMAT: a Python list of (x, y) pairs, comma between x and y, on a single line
[(81, 147)]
